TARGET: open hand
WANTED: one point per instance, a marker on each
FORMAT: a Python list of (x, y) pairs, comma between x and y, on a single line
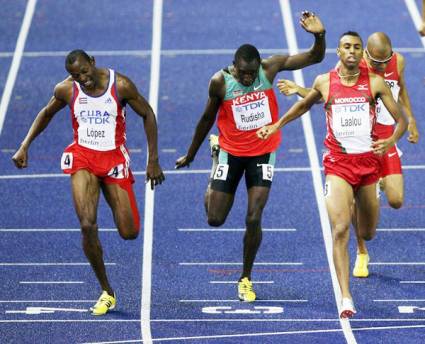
[(311, 23), (287, 87)]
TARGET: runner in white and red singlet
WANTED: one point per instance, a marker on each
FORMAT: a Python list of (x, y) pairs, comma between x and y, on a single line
[(379, 58), (243, 97), (352, 162), (98, 159)]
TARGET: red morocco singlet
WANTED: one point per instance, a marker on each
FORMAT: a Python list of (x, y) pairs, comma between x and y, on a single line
[(243, 111), (350, 115), (392, 79), (98, 122)]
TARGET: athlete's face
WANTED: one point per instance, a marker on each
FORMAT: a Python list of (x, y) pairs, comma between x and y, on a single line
[(246, 72), (350, 51), (378, 60), (83, 72)]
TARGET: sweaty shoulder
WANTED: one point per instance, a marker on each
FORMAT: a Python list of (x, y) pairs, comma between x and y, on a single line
[(63, 90), (125, 87), (377, 83), (321, 81), (217, 87), (400, 62)]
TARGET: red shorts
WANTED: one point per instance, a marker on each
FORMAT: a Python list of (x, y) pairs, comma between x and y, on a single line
[(356, 169), (391, 163), (111, 167)]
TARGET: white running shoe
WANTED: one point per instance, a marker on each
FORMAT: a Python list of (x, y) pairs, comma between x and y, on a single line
[(347, 308)]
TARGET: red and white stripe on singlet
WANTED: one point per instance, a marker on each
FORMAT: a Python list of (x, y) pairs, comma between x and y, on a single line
[(392, 79), (98, 122), (350, 115)]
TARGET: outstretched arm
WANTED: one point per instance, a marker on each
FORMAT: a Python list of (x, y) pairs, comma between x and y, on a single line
[(297, 110), (405, 102), (129, 93), (206, 121), (381, 90), (288, 87), (311, 23), (56, 103)]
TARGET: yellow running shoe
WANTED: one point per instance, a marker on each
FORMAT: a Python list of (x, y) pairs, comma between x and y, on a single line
[(360, 267), (214, 146), (104, 304), (245, 291)]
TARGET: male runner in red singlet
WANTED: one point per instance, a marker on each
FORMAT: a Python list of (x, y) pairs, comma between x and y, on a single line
[(98, 159), (243, 96), (379, 58), (352, 162)]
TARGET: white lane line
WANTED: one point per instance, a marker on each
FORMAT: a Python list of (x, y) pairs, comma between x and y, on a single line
[(314, 163), (51, 282), (397, 263), (416, 17), (45, 310), (47, 301), (412, 282), (263, 334), (37, 230), (401, 230), (236, 282), (178, 52), (206, 320), (233, 230), (236, 263), (17, 56), (400, 300), (145, 312), (201, 171), (50, 264), (237, 301)]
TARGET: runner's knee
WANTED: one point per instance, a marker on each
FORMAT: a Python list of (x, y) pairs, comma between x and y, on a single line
[(341, 232), (396, 202), (89, 229), (129, 232), (215, 220), (253, 222)]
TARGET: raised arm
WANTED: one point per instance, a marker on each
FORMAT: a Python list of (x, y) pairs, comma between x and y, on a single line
[(42, 120), (381, 90), (298, 109), (215, 96), (312, 24), (128, 93), (405, 102)]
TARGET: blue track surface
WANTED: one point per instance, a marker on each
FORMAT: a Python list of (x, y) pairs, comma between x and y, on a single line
[(192, 297)]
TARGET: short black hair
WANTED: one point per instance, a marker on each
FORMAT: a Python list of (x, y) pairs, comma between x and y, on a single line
[(351, 33), (248, 53), (73, 55)]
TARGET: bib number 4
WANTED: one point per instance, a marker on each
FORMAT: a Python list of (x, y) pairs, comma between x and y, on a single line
[(66, 161)]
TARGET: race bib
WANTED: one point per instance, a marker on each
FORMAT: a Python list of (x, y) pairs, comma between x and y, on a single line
[(349, 120), (252, 115), (221, 171), (117, 172), (67, 161), (268, 171)]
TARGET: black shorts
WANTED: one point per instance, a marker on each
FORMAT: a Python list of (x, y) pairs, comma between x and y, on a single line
[(258, 171)]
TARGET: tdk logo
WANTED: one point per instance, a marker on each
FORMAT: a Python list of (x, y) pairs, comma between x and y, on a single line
[(94, 116)]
